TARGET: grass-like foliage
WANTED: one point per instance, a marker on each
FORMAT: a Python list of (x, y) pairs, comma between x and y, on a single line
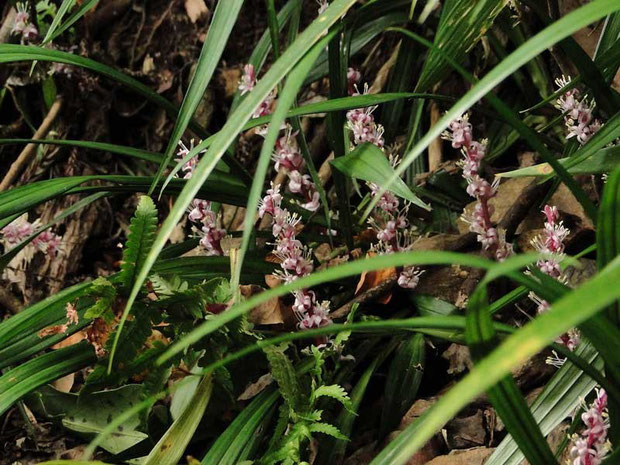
[(347, 231)]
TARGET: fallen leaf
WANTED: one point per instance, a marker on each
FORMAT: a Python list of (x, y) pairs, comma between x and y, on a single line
[(475, 456), (371, 279), (229, 80), (256, 388), (196, 9), (458, 358), (266, 313), (65, 383)]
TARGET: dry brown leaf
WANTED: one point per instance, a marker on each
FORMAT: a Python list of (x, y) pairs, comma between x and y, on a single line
[(475, 456), (256, 388), (267, 313), (196, 9), (73, 339), (458, 358), (229, 80), (65, 383), (370, 279)]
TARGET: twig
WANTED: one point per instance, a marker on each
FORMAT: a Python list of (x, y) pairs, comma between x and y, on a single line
[(26, 156)]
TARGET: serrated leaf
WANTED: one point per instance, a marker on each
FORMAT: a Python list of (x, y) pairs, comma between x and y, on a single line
[(335, 392), (141, 236), (369, 163), (326, 428), (104, 293), (283, 372)]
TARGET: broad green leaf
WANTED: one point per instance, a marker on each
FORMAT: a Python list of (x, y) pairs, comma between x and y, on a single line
[(170, 448), (369, 163), (603, 161), (231, 129), (25, 378), (566, 313), (221, 26), (95, 410), (139, 241)]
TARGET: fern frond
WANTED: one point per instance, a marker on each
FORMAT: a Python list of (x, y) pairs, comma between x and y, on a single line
[(284, 374), (141, 236), (326, 428), (335, 392), (104, 293)]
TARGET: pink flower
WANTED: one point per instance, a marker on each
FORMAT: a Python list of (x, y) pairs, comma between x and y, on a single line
[(592, 447), (362, 124), (313, 203), (353, 77), (18, 230), (460, 132), (304, 301), (317, 317), (47, 242), (211, 239), (578, 112), (287, 155), (248, 79), (409, 277), (200, 210), (322, 6), (271, 202)]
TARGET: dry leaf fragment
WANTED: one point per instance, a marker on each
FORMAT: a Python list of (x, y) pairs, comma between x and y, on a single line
[(256, 388), (196, 9), (267, 313), (371, 279)]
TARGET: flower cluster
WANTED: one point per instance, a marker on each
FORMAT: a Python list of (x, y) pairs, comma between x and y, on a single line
[(551, 244), (295, 259), (388, 219), (18, 230), (361, 121), (247, 84), (592, 446), (577, 113), (288, 159), (200, 213), (23, 26), (492, 239)]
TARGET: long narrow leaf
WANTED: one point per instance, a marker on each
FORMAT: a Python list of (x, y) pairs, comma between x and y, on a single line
[(566, 313), (230, 130), (221, 26)]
